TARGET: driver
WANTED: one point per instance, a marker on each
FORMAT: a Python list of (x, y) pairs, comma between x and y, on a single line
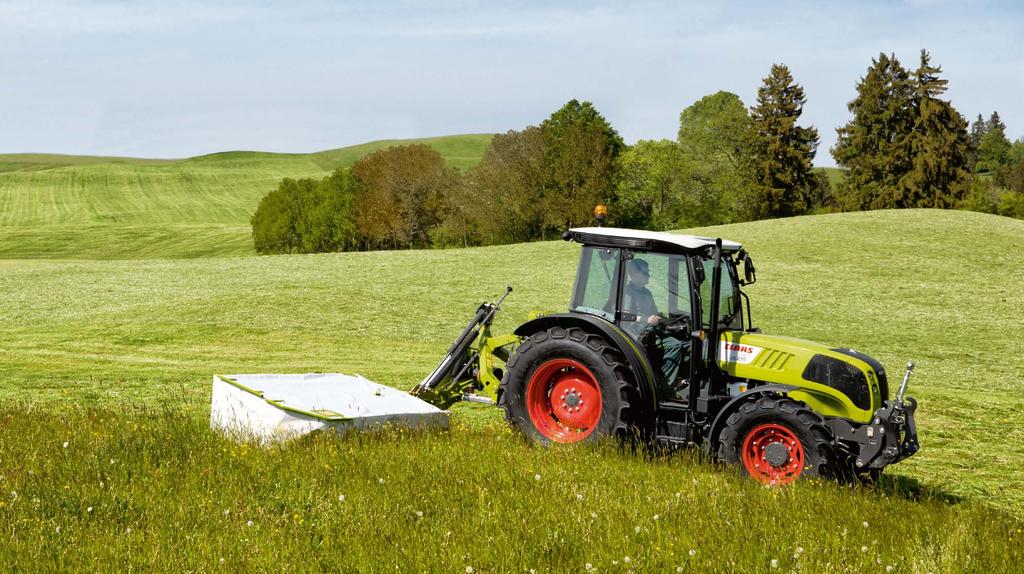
[(670, 351), (638, 298)]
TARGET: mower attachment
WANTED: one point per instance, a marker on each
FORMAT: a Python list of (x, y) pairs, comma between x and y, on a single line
[(271, 408)]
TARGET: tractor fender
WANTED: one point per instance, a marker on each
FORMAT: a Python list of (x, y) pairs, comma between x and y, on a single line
[(734, 403), (639, 364)]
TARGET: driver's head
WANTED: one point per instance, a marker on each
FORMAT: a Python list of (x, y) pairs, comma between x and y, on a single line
[(639, 272)]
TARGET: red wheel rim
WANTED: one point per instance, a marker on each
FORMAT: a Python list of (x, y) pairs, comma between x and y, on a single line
[(563, 400), (772, 454)]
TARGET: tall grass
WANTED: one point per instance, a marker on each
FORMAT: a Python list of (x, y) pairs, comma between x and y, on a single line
[(148, 489)]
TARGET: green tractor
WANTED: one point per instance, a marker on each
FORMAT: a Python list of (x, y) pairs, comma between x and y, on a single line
[(658, 346)]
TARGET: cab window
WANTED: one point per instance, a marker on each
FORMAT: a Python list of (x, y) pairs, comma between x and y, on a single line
[(655, 284), (729, 305), (596, 278)]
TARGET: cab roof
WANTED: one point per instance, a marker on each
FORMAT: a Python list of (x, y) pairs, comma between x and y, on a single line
[(644, 240)]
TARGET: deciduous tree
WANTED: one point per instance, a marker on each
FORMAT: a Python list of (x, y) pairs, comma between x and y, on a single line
[(582, 151), (403, 195)]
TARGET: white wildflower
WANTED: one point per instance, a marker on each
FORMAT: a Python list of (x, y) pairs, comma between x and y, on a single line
[(419, 514), (341, 498), (693, 552), (248, 523), (865, 525), (380, 481), (625, 559), (579, 496), (536, 477), (66, 444), (775, 563), (679, 568), (593, 515), (637, 530), (227, 511), (863, 548), (888, 568), (469, 570), (57, 530), (88, 509), (588, 566)]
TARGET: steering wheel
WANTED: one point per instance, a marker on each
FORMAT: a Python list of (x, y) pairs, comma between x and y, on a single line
[(676, 325)]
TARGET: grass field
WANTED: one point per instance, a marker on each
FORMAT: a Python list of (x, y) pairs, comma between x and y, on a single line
[(82, 207), (933, 286), (142, 490)]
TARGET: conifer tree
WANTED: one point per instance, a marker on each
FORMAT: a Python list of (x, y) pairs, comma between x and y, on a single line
[(994, 147), (978, 129), (870, 144), (995, 123), (938, 146), (783, 150)]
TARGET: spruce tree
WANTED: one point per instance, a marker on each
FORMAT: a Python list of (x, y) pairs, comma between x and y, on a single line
[(994, 147), (870, 144), (938, 146), (995, 123), (783, 150), (978, 129)]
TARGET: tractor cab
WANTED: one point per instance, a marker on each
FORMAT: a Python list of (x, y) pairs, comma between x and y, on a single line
[(657, 289)]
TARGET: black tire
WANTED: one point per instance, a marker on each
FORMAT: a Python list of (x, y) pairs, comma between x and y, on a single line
[(621, 414), (817, 440)]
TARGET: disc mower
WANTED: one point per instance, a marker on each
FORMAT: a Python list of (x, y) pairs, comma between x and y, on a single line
[(658, 346)]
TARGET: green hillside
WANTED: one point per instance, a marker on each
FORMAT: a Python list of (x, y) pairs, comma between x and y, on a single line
[(82, 207), (933, 286), (836, 175)]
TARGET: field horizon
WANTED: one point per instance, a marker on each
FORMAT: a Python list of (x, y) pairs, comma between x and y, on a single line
[(55, 206)]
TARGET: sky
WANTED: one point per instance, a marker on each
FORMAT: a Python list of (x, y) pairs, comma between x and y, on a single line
[(183, 78)]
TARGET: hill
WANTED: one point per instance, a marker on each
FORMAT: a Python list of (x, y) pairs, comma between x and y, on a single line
[(918, 284), (84, 207)]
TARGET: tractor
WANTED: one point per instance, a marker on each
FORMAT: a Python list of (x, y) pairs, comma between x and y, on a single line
[(658, 347)]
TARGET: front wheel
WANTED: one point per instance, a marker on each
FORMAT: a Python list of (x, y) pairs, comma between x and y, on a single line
[(566, 386), (776, 440)]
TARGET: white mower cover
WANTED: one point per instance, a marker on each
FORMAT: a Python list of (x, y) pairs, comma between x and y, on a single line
[(279, 407)]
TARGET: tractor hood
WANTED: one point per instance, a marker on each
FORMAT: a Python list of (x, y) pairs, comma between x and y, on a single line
[(838, 381)]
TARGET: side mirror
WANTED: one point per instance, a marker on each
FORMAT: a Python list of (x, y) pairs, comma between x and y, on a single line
[(749, 273), (699, 273)]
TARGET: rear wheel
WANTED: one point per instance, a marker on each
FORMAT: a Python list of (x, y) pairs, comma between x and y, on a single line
[(777, 440), (566, 386)]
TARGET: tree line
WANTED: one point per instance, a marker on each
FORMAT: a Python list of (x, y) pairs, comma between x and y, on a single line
[(905, 146)]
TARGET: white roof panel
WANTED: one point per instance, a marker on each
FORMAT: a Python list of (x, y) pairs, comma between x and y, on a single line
[(687, 241)]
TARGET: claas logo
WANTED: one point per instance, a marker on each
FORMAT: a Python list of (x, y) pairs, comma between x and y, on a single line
[(738, 348)]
